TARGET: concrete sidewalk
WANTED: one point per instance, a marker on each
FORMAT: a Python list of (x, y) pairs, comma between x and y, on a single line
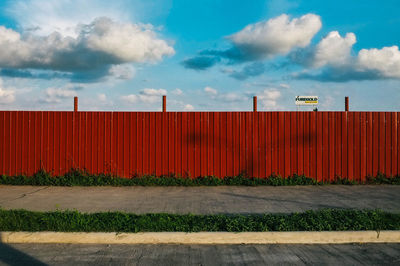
[(86, 254), (201, 200)]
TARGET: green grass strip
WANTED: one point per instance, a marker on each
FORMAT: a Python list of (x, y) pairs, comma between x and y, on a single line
[(321, 220), (82, 178)]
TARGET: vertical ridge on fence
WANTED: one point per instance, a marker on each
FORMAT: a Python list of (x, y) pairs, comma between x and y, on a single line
[(322, 145)]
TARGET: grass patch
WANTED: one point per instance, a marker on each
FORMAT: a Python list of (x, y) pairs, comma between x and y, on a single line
[(321, 220), (83, 178)]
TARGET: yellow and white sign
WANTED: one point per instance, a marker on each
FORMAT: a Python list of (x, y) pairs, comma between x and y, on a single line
[(306, 100)]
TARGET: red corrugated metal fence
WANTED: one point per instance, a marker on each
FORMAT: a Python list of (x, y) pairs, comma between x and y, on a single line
[(321, 145)]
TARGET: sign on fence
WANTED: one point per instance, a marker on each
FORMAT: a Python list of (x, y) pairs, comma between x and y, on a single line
[(306, 100)]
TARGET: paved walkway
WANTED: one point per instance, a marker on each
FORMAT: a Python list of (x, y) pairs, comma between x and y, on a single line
[(62, 254), (200, 200)]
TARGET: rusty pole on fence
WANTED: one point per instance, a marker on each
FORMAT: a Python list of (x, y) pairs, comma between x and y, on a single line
[(75, 104), (255, 104), (346, 103), (164, 103)]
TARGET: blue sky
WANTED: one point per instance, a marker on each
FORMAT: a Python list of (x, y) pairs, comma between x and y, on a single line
[(204, 55)]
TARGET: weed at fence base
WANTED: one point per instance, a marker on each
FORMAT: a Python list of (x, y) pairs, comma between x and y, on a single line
[(76, 177)]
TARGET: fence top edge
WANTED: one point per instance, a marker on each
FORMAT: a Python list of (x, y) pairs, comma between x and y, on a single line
[(189, 112)]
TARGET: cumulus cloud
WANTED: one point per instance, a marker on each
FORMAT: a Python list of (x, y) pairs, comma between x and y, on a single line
[(368, 64), (332, 50), (125, 42), (56, 95), (259, 41), (147, 95), (177, 92), (332, 59), (230, 97), (385, 61), (179, 105), (223, 97), (98, 48), (45, 16), (7, 95), (124, 72), (151, 95), (210, 91), (276, 36), (284, 86), (101, 97), (269, 98), (328, 102), (188, 107), (131, 98)]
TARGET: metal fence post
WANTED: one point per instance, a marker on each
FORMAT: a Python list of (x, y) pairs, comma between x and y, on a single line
[(255, 104), (75, 104), (164, 103)]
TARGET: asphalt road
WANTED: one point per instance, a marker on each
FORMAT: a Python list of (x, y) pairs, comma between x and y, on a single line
[(58, 254), (201, 200)]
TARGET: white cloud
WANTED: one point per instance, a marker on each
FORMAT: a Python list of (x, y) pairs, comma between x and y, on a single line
[(268, 98), (188, 107), (177, 92), (131, 98), (223, 97), (101, 97), (276, 36), (46, 16), (125, 71), (7, 96), (56, 95), (284, 85), (126, 42), (259, 41), (146, 95), (334, 49), (151, 95), (369, 64), (385, 62), (334, 60), (328, 102), (99, 46), (210, 91), (230, 97)]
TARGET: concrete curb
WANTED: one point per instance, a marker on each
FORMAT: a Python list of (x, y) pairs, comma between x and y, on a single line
[(336, 237)]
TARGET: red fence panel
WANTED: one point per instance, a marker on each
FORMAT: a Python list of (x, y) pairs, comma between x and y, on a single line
[(321, 145)]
